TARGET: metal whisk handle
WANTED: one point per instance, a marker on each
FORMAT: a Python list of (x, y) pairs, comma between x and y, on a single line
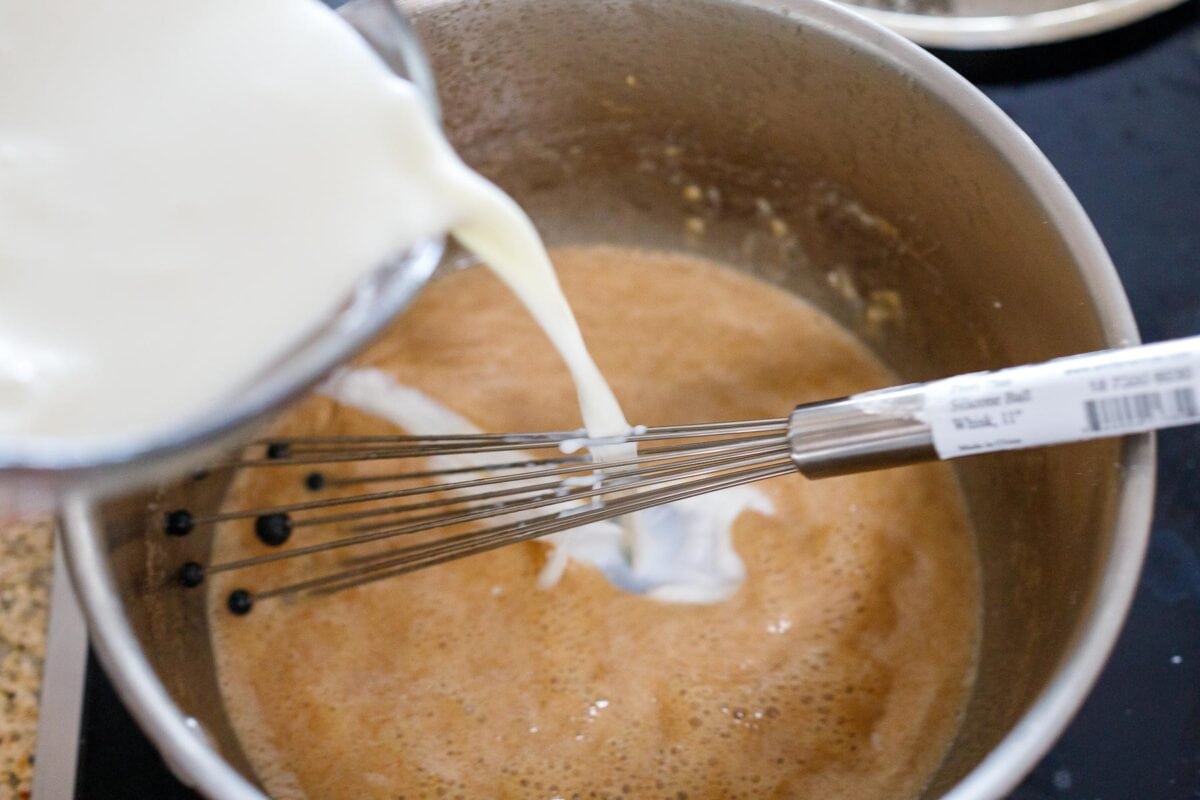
[(839, 437), (1097, 395)]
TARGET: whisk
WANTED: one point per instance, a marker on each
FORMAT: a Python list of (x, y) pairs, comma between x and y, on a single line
[(530, 485)]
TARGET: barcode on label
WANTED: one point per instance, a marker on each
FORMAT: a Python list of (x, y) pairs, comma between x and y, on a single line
[(1136, 410)]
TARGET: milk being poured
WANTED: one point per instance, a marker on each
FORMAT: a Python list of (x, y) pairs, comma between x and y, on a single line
[(188, 189)]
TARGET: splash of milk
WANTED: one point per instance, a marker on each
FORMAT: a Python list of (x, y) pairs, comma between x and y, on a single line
[(682, 552)]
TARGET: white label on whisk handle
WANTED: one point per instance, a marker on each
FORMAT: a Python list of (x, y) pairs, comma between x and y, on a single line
[(1071, 399)]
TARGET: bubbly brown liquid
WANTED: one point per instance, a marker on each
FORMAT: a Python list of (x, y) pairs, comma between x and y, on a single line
[(838, 670)]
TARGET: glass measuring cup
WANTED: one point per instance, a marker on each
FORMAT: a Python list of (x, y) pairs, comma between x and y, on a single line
[(36, 473)]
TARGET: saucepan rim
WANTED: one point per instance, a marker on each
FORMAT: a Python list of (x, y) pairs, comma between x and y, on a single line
[(196, 763)]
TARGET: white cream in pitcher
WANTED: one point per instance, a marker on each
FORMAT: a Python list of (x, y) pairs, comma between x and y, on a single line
[(199, 185), (188, 189)]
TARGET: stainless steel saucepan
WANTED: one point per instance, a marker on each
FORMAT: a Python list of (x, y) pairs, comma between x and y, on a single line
[(817, 151)]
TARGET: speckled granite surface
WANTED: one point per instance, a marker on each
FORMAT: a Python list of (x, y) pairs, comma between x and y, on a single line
[(25, 571)]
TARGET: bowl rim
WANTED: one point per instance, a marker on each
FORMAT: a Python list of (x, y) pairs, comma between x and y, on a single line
[(182, 744), (1046, 25)]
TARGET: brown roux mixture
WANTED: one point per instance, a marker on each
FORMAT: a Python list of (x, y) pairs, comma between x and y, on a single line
[(839, 670)]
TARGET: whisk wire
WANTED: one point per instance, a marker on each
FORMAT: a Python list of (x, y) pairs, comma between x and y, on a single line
[(584, 465), (522, 498), (447, 520), (318, 450), (418, 557)]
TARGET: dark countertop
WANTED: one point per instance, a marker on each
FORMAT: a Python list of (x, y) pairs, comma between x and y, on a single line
[(1119, 115)]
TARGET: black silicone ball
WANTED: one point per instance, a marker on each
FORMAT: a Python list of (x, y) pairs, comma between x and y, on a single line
[(178, 522), (278, 450), (240, 602), (273, 529), (191, 574)]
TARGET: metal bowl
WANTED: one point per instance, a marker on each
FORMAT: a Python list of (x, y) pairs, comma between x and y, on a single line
[(890, 174), (996, 24)]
